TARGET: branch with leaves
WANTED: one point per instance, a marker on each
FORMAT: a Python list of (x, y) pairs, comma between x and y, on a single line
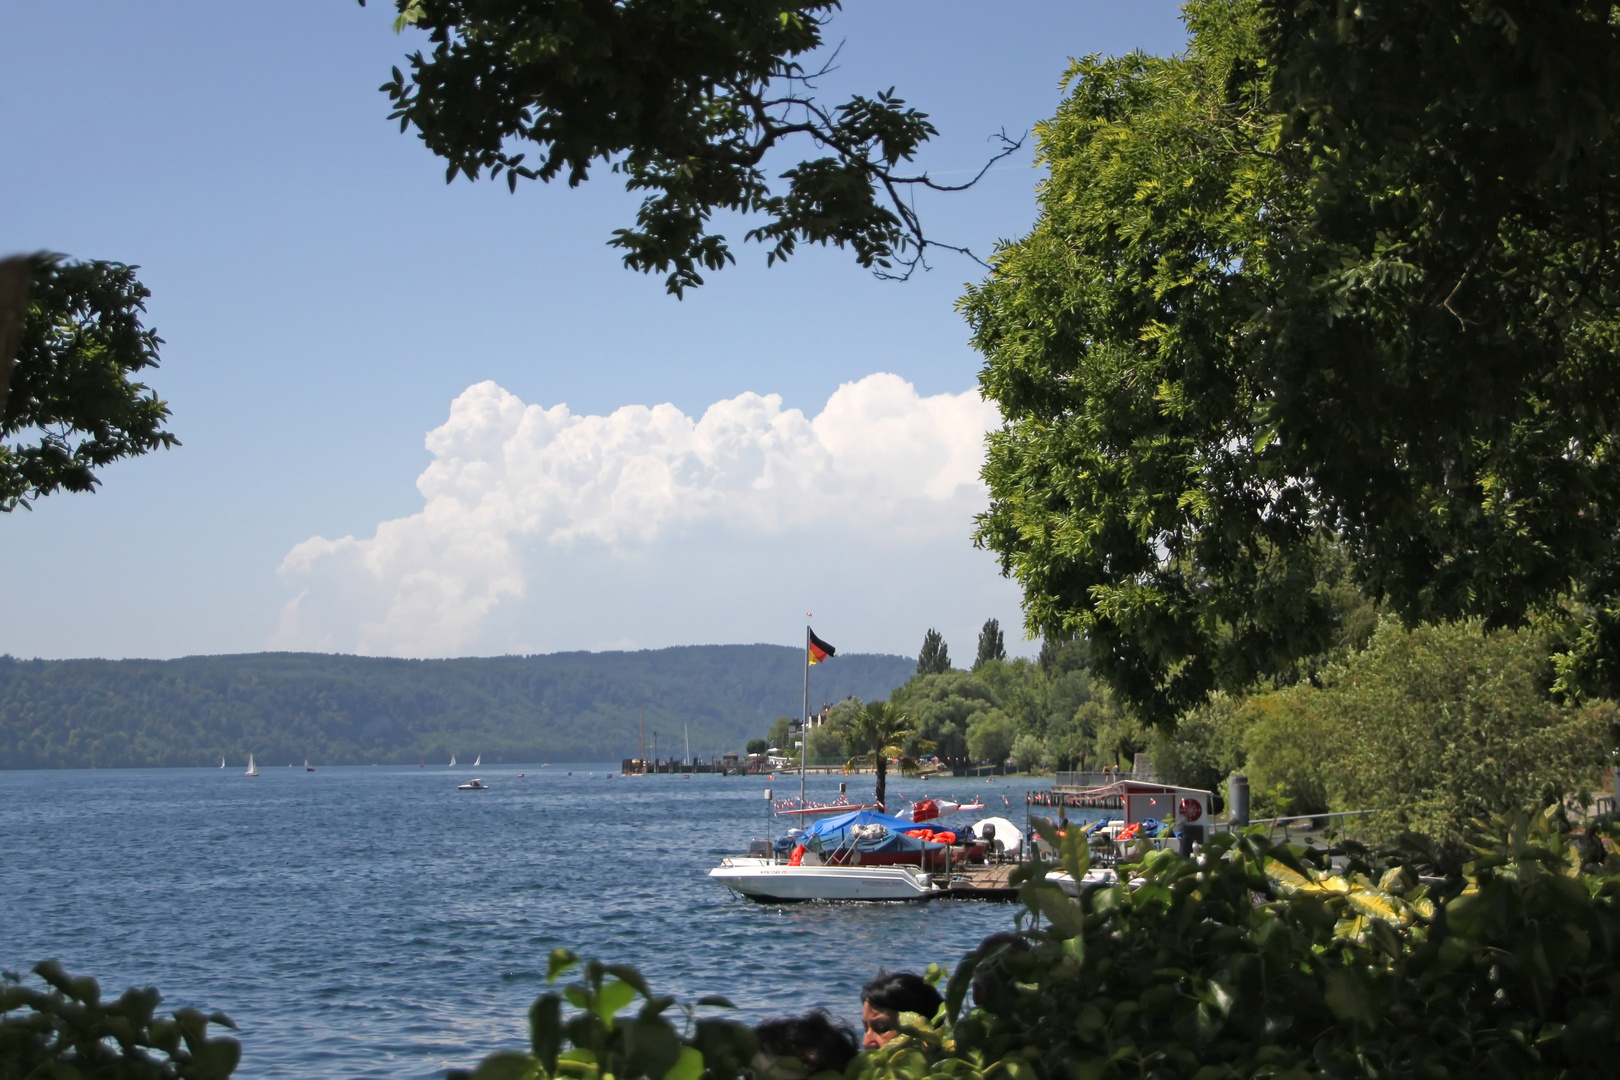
[(73, 406), (686, 101)]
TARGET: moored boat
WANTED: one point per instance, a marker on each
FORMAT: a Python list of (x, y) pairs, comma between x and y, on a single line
[(766, 879), (857, 855)]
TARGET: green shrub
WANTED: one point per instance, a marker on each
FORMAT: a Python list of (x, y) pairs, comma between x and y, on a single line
[(595, 1042), (1435, 726), (990, 736), (1205, 747), (68, 1033), (1258, 960), (1027, 752)]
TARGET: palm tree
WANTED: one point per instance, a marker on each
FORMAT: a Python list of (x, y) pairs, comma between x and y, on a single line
[(877, 733)]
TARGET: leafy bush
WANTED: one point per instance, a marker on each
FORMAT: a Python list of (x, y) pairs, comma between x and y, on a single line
[(990, 737), (1260, 959), (1437, 725), (596, 1042), (68, 1033), (1027, 752), (1205, 748)]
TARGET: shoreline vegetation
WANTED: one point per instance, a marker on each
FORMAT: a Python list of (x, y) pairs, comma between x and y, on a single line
[(357, 710)]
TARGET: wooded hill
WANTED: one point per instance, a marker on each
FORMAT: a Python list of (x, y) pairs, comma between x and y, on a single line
[(357, 710)]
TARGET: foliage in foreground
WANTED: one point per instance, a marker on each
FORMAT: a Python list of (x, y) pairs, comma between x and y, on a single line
[(1257, 959), (67, 1032)]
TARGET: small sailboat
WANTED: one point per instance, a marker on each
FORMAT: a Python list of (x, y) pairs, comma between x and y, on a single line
[(252, 769), (452, 761), (477, 761), (222, 761), (307, 766)]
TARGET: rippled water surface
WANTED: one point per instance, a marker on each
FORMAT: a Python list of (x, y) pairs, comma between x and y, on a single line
[(377, 922)]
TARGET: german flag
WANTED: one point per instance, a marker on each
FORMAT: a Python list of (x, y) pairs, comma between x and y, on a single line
[(819, 650)]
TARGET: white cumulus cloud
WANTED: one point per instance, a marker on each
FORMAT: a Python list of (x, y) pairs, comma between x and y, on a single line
[(543, 529)]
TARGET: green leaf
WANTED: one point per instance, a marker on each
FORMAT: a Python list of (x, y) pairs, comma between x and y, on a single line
[(614, 996), (509, 1065), (688, 1067), (560, 961), (545, 1029)]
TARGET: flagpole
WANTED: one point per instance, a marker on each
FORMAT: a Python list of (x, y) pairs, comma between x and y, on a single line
[(804, 725)]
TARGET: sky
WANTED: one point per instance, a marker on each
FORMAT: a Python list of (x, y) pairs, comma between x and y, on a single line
[(422, 419)]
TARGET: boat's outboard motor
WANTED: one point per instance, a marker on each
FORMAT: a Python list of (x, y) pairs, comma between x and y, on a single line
[(987, 833)]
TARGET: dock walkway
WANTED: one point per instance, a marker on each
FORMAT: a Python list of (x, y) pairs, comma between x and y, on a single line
[(981, 882)]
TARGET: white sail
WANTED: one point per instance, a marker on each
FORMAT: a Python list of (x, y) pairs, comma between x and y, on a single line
[(452, 761), (253, 770), (477, 761), (222, 762)]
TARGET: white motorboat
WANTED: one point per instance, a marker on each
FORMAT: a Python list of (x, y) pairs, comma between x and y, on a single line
[(766, 879), (474, 784), (1098, 877), (859, 855)]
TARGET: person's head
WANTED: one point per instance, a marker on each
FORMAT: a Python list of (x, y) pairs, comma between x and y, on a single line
[(820, 1043), (992, 980), (889, 994)]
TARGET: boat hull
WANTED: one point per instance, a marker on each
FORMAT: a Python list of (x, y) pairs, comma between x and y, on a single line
[(1096, 878), (760, 879)]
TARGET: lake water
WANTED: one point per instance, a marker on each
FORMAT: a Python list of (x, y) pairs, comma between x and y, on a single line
[(377, 922)]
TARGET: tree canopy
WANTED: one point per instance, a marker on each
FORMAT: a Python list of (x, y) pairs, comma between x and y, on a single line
[(72, 406), (685, 100), (1324, 303)]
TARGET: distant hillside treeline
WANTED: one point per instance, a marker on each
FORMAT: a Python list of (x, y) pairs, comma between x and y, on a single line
[(353, 709)]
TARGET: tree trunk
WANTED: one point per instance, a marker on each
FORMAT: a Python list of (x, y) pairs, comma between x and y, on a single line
[(881, 761)]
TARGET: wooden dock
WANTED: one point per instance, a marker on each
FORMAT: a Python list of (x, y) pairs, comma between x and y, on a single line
[(988, 881)]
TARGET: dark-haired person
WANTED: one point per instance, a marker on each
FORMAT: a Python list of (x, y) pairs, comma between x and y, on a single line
[(815, 1040), (889, 994)]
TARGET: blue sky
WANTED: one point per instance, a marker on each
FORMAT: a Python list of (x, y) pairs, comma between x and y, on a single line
[(327, 302)]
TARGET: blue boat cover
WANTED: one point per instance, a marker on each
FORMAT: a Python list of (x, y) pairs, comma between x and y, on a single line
[(841, 823), (835, 832)]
